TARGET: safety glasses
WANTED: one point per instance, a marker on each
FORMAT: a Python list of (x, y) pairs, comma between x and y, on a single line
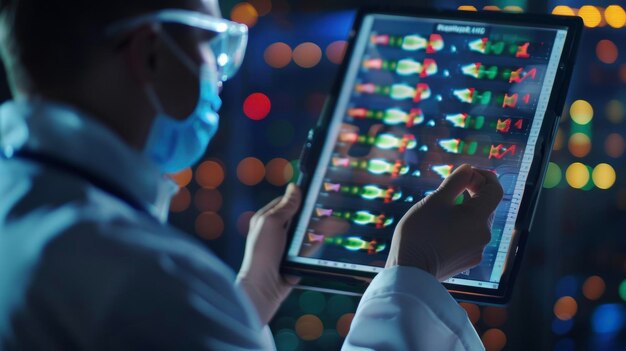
[(228, 45)]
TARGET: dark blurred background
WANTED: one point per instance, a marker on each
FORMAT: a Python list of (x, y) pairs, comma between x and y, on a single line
[(571, 293)]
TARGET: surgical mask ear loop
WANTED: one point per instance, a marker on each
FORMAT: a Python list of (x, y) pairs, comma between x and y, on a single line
[(153, 98)]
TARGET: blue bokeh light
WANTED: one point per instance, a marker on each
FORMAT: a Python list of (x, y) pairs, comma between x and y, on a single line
[(608, 318), (561, 327), (567, 286)]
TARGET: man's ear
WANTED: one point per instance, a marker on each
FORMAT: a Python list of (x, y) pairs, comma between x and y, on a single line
[(141, 54)]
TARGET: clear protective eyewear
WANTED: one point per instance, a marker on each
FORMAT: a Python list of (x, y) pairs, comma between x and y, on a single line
[(228, 46)]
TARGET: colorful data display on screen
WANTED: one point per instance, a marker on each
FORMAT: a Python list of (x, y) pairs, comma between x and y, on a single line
[(421, 97)]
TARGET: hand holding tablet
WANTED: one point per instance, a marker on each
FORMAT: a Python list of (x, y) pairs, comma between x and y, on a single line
[(419, 94), (441, 237)]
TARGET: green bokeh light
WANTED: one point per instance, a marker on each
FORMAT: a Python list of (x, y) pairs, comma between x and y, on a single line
[(330, 340), (590, 185), (295, 166), (280, 132), (286, 340), (338, 305), (553, 176), (622, 290), (312, 302)]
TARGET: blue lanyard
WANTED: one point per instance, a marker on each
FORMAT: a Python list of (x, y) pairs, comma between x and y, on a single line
[(93, 179)]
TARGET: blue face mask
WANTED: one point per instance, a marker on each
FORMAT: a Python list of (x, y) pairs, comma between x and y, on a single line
[(177, 144)]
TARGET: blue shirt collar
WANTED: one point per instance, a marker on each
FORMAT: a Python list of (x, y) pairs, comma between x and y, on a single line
[(68, 134)]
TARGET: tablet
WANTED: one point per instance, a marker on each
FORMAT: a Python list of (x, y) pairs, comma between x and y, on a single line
[(420, 93)]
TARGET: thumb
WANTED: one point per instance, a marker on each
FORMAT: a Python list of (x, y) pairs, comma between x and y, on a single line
[(288, 204), (456, 183)]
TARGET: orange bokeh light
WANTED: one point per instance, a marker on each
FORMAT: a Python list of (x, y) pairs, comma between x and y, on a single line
[(263, 7), (467, 8), (491, 8), (208, 200), (244, 13), (565, 308), (309, 327), (180, 202), (593, 287), (336, 50), (182, 178), (614, 145), (494, 339), (250, 171), (209, 225), (343, 324), (473, 311), (494, 316), (307, 55), (606, 51), (278, 171), (558, 140), (243, 222), (277, 55), (579, 145), (209, 174)]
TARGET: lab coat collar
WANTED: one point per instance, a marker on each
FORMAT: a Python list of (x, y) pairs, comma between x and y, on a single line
[(64, 132)]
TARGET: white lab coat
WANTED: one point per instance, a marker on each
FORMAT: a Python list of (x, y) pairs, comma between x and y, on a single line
[(82, 268)]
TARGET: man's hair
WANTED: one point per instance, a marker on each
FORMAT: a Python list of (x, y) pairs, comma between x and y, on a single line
[(44, 43)]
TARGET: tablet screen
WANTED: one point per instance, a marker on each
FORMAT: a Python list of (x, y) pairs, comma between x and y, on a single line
[(420, 97)]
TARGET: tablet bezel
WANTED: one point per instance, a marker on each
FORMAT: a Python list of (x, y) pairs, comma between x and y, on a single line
[(349, 281)]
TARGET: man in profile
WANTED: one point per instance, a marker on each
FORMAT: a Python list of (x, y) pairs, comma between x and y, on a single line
[(108, 97)]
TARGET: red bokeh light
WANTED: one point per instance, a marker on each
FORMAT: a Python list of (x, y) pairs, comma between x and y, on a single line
[(257, 106)]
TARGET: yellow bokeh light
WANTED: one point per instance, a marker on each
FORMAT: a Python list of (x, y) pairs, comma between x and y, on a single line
[(467, 8), (615, 16), (244, 13), (577, 175), (591, 16), (581, 112), (513, 8), (603, 176), (563, 10)]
